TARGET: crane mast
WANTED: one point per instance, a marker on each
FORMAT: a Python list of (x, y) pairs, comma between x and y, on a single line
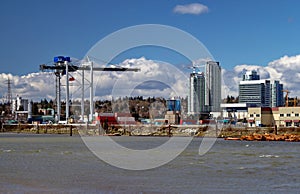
[(62, 66)]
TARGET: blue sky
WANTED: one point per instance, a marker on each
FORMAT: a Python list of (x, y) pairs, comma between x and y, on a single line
[(235, 32)]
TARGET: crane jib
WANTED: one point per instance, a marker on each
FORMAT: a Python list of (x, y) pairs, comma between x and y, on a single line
[(75, 68)]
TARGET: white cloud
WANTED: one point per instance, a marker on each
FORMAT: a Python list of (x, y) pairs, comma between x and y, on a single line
[(194, 8), (286, 70), (155, 79), (35, 86), (164, 80)]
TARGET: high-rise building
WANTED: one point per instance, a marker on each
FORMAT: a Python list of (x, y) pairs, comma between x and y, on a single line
[(255, 92), (196, 98), (213, 86), (205, 90), (277, 98), (251, 75), (260, 92)]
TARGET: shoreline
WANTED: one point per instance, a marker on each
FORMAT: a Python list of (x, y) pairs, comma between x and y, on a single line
[(227, 132)]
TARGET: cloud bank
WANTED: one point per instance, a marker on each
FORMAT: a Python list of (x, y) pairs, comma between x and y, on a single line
[(35, 86), (194, 9), (155, 79), (285, 69)]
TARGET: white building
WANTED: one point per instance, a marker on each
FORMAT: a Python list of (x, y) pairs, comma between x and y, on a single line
[(19, 104)]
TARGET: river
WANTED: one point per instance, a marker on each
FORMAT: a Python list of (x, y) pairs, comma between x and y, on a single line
[(35, 163)]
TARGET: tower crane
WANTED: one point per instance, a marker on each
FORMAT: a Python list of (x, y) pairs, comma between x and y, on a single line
[(286, 97)]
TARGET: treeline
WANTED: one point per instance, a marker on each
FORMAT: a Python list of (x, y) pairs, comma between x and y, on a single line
[(138, 106), (231, 99)]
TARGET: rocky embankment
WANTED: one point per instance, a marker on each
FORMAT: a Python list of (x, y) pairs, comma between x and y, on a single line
[(227, 132), (40, 129)]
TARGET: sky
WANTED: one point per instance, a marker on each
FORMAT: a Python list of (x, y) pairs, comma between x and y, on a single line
[(240, 34)]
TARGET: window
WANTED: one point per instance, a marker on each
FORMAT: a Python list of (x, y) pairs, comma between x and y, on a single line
[(296, 114), (251, 115), (288, 114), (288, 124), (281, 115), (296, 124), (257, 115)]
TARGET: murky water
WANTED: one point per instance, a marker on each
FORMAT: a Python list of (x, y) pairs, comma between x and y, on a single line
[(62, 164)]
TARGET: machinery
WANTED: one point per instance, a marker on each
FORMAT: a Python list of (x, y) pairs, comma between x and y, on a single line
[(290, 101), (286, 97), (62, 66)]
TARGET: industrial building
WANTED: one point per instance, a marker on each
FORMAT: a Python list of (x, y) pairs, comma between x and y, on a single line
[(236, 111), (115, 118), (19, 104), (279, 116), (173, 111), (21, 109), (261, 116)]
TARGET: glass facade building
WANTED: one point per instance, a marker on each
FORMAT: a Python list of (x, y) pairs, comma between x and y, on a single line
[(205, 89), (263, 93), (196, 98), (277, 94), (174, 105), (255, 92), (213, 86)]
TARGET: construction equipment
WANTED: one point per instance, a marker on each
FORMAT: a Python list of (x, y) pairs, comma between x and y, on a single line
[(62, 66), (286, 97), (295, 101)]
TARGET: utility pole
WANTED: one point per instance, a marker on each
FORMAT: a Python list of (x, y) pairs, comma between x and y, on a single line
[(82, 95), (58, 97), (67, 91)]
